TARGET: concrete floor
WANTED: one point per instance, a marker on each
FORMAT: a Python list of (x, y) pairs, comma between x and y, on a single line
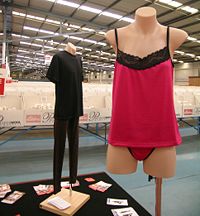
[(30, 157)]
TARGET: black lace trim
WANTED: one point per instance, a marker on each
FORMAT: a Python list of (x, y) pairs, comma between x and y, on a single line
[(148, 61)]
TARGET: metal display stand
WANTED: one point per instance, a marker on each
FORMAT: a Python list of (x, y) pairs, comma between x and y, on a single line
[(158, 191)]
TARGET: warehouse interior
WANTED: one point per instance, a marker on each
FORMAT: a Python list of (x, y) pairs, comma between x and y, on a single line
[(32, 32)]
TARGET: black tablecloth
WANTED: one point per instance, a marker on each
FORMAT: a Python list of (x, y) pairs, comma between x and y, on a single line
[(28, 205)]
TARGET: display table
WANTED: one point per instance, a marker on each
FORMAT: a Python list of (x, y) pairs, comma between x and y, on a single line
[(28, 205)]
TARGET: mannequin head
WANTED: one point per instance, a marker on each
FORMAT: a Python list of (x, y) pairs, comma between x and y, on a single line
[(71, 48)]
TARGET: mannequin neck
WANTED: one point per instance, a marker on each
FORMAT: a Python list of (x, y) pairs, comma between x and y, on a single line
[(145, 19), (70, 48)]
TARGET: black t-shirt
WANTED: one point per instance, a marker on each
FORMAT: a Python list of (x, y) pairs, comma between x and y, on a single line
[(65, 71)]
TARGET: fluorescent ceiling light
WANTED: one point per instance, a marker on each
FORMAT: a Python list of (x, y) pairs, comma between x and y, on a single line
[(35, 17), (101, 43), (24, 51), (179, 52), (36, 45), (30, 44), (38, 39), (175, 4), (109, 66), (67, 3), (30, 28), (189, 9), (62, 44), (90, 9), (190, 54), (94, 56), (101, 32), (53, 21), (53, 42), (181, 61), (88, 49), (171, 3), (90, 41), (105, 53), (73, 26), (165, 1), (102, 53), (46, 31), (104, 58), (87, 29), (20, 56), (65, 35), (113, 15), (127, 19), (16, 35), (191, 38), (76, 38), (79, 47), (18, 14), (26, 43), (49, 47), (38, 30)]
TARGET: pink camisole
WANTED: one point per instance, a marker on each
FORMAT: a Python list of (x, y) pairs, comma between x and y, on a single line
[(143, 114)]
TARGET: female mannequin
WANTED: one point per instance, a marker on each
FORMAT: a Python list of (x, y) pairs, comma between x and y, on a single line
[(140, 38)]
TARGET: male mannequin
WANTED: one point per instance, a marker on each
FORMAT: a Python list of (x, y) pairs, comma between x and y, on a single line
[(140, 38), (70, 48), (65, 71)]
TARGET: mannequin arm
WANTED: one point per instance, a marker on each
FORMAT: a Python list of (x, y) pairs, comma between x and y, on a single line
[(177, 38), (110, 37)]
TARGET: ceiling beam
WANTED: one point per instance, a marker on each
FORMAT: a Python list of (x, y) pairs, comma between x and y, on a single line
[(190, 24), (172, 10), (181, 18), (53, 15)]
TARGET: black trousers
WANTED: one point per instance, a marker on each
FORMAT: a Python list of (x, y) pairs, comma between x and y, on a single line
[(61, 128)]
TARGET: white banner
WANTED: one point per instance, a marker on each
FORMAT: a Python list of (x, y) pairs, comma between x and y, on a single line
[(12, 118)]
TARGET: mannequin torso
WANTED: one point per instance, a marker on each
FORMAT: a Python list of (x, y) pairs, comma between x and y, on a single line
[(141, 38), (148, 35)]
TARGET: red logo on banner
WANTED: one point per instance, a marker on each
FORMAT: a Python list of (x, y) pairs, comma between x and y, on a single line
[(2, 86), (33, 118), (4, 66), (188, 111), (83, 118)]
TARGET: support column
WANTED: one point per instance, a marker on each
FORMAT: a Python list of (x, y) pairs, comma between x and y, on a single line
[(4, 37), (7, 31)]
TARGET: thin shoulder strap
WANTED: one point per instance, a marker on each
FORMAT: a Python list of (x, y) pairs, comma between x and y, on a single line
[(116, 38), (168, 37)]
